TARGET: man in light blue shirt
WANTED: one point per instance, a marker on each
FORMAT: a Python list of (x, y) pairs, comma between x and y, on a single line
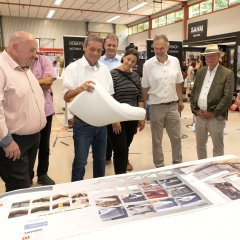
[(112, 60)]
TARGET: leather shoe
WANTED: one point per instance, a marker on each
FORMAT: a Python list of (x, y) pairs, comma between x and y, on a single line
[(45, 180), (129, 166)]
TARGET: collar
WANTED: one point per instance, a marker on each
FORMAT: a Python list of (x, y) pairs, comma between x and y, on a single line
[(86, 63), (165, 63), (115, 58), (10, 61)]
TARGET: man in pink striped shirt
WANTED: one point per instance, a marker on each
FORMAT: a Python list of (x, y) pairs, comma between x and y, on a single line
[(22, 113), (43, 70)]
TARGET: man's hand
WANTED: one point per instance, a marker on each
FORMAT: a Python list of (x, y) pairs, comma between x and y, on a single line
[(204, 115), (12, 151), (141, 125), (180, 106), (116, 127), (46, 82), (87, 86)]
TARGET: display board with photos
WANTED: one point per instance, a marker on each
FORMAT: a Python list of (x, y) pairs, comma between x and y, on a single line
[(56, 211)]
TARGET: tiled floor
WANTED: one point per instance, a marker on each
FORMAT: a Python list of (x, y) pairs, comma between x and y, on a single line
[(140, 152)]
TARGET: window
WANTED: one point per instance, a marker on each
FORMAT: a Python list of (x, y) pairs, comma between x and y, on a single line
[(220, 4), (162, 21), (155, 23), (146, 26), (130, 31), (233, 1), (171, 18), (194, 10), (205, 7), (140, 27), (135, 29), (179, 15)]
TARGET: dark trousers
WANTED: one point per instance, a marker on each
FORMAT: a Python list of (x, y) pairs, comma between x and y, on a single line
[(15, 174), (109, 150), (44, 150), (120, 144)]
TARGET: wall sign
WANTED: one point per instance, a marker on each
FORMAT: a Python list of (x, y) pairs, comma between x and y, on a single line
[(175, 49), (73, 48), (197, 30)]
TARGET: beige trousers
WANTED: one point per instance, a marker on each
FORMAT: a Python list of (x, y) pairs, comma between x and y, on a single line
[(215, 127), (165, 116)]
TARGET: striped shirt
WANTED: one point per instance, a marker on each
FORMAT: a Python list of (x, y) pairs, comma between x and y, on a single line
[(125, 90)]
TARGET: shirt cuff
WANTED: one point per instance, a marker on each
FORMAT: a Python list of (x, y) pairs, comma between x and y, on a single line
[(6, 141)]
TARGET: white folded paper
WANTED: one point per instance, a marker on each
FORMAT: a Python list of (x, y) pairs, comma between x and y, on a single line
[(98, 108)]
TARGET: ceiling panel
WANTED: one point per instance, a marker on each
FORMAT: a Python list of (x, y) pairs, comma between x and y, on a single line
[(24, 10), (33, 12), (4, 10), (79, 10)]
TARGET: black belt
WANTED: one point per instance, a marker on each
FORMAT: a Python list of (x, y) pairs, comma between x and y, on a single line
[(168, 103), (78, 119)]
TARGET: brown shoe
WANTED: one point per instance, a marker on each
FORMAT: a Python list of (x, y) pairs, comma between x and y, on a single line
[(129, 166)]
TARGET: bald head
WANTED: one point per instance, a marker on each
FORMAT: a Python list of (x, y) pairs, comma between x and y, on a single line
[(22, 48)]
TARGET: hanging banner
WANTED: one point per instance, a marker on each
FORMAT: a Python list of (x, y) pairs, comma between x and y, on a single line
[(175, 49), (73, 48), (197, 30)]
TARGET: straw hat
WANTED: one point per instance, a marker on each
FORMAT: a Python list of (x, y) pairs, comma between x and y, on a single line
[(212, 48)]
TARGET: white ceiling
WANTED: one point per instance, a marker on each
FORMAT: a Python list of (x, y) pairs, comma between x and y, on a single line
[(85, 10)]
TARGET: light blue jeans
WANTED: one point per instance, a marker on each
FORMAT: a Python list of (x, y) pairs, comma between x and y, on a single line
[(85, 135)]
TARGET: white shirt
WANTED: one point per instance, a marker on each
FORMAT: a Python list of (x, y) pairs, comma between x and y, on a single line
[(81, 71), (161, 79), (202, 100)]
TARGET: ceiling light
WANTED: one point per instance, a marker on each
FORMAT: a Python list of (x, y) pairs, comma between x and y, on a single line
[(50, 13), (137, 7), (58, 2), (113, 18)]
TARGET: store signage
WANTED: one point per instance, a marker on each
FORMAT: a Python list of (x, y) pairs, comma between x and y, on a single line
[(197, 30), (73, 48), (175, 49)]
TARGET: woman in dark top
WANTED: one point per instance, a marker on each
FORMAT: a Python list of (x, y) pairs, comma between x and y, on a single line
[(128, 89)]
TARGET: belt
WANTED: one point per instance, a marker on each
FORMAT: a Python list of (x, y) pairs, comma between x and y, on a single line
[(168, 103), (78, 119)]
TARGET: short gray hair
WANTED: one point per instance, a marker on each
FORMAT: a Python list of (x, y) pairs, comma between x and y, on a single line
[(161, 37), (92, 38)]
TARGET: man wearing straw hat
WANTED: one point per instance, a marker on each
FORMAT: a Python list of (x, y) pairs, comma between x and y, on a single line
[(210, 99)]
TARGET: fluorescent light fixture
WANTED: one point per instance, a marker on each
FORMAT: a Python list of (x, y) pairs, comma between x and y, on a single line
[(137, 6), (113, 18), (58, 2), (50, 13)]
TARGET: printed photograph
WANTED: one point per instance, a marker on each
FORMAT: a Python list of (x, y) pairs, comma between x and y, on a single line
[(80, 203), (150, 185), (133, 197), (158, 193), (188, 199), (171, 181), (113, 213), (179, 190), (108, 201), (164, 204), (18, 213), (140, 209), (21, 204), (228, 189)]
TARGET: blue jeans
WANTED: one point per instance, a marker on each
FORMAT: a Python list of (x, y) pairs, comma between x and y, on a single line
[(85, 135)]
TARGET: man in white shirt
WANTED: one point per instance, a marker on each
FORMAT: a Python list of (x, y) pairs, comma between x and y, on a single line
[(79, 76), (211, 97), (162, 82)]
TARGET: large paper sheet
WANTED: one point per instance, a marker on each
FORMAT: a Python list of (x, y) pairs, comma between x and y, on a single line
[(170, 198), (98, 108)]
